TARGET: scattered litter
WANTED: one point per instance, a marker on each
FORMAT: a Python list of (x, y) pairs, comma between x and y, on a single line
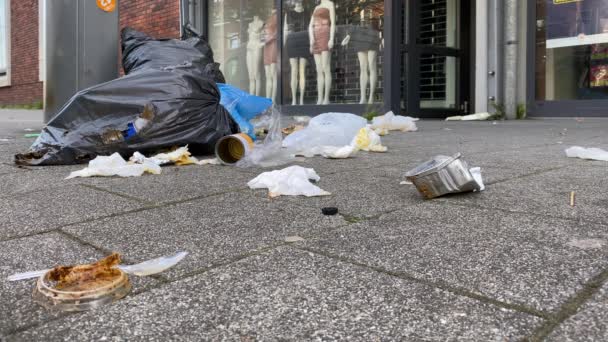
[(444, 175), (179, 157), (232, 148), (368, 140), (211, 161), (5, 140), (169, 97), (302, 119), (292, 239), (330, 152), (292, 128), (588, 243), (242, 106), (329, 129), (29, 129), (572, 198), (391, 122), (406, 183), (470, 117), (269, 152), (115, 165), (85, 287), (291, 181), (447, 129), (587, 153), (329, 211), (31, 135)]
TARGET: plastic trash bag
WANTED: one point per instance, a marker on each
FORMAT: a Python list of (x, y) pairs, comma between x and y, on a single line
[(587, 153), (270, 151), (115, 165), (391, 122), (143, 111), (242, 106), (330, 152), (142, 52), (291, 181), (329, 129), (470, 117)]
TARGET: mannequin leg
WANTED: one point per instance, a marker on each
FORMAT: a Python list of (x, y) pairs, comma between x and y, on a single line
[(326, 63), (293, 63), (268, 75), (258, 74), (363, 75), (373, 74), (274, 82), (303, 63), (320, 78), (251, 70)]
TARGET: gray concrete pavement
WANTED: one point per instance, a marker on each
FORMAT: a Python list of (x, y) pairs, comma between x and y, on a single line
[(514, 262)]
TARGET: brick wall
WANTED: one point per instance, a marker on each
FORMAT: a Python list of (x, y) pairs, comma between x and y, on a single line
[(25, 85), (158, 18)]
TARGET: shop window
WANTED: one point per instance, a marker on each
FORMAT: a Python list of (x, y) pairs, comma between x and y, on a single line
[(571, 49), (5, 43), (332, 50)]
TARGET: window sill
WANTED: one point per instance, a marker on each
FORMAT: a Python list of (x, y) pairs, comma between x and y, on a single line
[(5, 82)]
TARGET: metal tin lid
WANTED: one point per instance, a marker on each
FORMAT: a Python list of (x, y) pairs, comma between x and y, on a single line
[(433, 165)]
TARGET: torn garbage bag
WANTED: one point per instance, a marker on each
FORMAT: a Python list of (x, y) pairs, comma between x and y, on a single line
[(143, 111), (291, 181), (329, 129), (242, 106), (142, 52)]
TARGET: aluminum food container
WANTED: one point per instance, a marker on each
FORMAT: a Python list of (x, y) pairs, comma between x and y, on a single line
[(443, 175)]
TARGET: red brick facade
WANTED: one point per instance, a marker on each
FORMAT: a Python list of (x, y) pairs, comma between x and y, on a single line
[(159, 18), (25, 87)]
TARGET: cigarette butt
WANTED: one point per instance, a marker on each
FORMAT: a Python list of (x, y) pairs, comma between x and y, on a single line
[(572, 198)]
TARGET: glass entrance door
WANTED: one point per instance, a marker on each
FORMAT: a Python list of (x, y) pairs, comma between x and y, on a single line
[(434, 47)]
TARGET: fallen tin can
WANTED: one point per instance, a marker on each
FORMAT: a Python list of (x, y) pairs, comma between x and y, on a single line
[(443, 175)]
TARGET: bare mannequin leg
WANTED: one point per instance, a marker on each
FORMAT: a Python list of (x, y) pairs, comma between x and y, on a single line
[(320, 78), (273, 78), (257, 62), (251, 70), (363, 75), (326, 63), (268, 81), (373, 74), (293, 62), (303, 63)]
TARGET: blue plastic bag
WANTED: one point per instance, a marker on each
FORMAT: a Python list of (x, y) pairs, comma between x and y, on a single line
[(242, 106)]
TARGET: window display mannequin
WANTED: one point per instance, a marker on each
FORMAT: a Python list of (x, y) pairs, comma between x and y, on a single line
[(271, 55), (297, 45), (322, 31), (365, 39), (254, 55)]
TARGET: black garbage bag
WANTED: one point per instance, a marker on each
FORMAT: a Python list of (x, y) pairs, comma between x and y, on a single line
[(141, 52), (143, 111)]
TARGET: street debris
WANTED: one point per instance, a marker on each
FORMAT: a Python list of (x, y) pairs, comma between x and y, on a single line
[(391, 122), (470, 117), (292, 239), (587, 153), (86, 287), (243, 107), (210, 161), (329, 129), (4, 140), (232, 148), (115, 165), (444, 175), (368, 140), (292, 128), (291, 181), (303, 120), (329, 211), (588, 243), (31, 135), (572, 198)]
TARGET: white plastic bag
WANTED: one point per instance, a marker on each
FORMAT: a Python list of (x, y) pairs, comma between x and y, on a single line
[(329, 129), (115, 165), (330, 152), (391, 122), (291, 181), (470, 117), (587, 153)]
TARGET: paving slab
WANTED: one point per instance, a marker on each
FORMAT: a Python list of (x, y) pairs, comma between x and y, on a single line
[(291, 295), (521, 259), (589, 324), (213, 230), (47, 209), (18, 310), (549, 194)]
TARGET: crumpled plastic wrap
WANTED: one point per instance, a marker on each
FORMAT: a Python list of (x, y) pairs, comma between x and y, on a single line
[(291, 181)]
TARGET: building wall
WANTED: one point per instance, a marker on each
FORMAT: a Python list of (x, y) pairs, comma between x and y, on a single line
[(25, 88), (158, 18)]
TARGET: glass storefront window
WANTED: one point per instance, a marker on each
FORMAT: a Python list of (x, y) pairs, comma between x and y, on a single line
[(571, 49), (332, 50)]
